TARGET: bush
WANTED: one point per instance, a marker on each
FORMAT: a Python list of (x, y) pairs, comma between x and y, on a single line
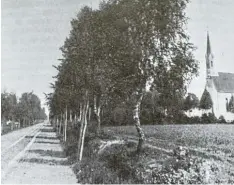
[(210, 118), (181, 118), (195, 120), (222, 119), (206, 101), (94, 172), (190, 102), (189, 171)]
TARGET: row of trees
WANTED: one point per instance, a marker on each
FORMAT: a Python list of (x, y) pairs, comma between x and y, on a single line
[(24, 110), (114, 55), (192, 101)]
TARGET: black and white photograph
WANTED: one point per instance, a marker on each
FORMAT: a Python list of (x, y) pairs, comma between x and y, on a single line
[(117, 92)]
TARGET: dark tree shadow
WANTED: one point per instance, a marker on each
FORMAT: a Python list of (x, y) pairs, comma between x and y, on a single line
[(58, 154), (46, 142), (42, 137), (45, 161), (47, 130)]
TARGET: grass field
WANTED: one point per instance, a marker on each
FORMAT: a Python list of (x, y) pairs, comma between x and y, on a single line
[(213, 143), (205, 136)]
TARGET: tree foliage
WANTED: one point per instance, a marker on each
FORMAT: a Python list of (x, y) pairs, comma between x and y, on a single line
[(113, 54), (191, 101), (206, 101), (25, 110)]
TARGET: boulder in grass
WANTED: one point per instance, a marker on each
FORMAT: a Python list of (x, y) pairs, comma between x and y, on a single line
[(181, 152)]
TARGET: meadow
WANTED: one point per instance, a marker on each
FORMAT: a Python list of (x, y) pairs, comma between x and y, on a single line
[(213, 144)]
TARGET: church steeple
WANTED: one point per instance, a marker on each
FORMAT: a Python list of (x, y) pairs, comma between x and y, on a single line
[(208, 49), (210, 71)]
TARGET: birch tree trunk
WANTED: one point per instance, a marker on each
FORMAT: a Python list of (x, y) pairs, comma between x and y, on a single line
[(83, 127), (97, 110), (89, 113), (80, 113), (71, 120), (75, 119), (57, 124), (65, 129), (64, 126), (81, 131), (70, 116), (60, 124), (84, 131), (136, 118)]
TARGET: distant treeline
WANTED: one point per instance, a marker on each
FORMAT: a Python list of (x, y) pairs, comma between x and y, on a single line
[(25, 110), (156, 109)]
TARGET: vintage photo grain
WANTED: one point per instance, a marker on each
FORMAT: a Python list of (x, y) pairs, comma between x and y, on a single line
[(117, 92)]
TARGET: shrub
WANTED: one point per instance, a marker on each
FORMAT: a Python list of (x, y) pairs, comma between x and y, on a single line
[(210, 118), (222, 119), (206, 101), (190, 102), (195, 120), (94, 172), (189, 171)]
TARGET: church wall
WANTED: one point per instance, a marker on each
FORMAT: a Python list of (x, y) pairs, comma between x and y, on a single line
[(214, 95), (197, 112), (222, 106), (219, 101)]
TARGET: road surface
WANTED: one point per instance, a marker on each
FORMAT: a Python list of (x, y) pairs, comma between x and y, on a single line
[(33, 155)]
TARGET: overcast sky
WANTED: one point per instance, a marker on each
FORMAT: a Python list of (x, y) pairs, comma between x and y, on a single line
[(33, 31)]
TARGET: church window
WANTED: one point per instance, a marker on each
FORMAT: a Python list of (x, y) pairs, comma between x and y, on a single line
[(211, 63)]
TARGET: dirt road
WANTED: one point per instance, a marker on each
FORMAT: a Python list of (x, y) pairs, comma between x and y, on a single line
[(34, 155)]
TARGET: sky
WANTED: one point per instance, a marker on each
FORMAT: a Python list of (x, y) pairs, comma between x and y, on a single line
[(32, 32)]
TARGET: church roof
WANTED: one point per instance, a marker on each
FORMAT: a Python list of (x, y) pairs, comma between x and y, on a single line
[(224, 82)]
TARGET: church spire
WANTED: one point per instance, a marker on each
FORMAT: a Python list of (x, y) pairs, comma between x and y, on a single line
[(208, 50), (210, 71)]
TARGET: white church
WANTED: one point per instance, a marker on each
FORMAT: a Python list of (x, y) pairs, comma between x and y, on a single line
[(220, 85)]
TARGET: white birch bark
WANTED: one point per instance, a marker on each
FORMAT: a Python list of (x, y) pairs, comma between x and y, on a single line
[(57, 124), (80, 134), (136, 118), (75, 119), (79, 119), (60, 124), (83, 127), (89, 113), (84, 131), (97, 110), (65, 129), (70, 116), (64, 126)]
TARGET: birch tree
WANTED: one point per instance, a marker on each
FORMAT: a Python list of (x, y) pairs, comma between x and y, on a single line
[(159, 46), (122, 50)]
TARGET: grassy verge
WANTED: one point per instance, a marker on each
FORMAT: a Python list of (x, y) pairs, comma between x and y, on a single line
[(111, 160)]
